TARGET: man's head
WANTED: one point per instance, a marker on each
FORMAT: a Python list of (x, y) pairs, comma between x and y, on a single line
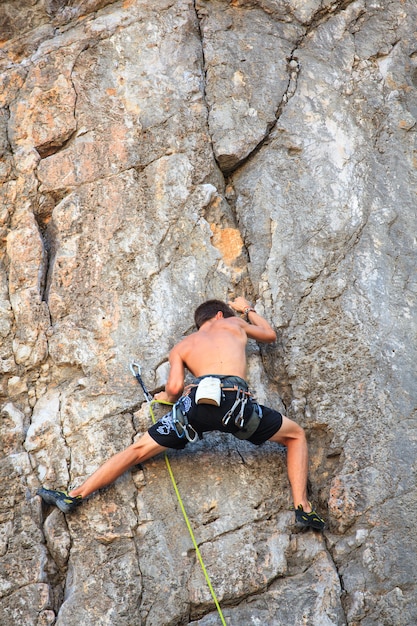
[(209, 309)]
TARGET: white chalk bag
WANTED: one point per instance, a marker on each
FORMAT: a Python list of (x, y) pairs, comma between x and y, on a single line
[(209, 391)]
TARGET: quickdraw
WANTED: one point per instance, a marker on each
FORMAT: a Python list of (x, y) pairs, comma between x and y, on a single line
[(181, 424), (239, 400), (136, 371)]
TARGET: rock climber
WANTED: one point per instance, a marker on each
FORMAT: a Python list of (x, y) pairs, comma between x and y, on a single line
[(217, 399)]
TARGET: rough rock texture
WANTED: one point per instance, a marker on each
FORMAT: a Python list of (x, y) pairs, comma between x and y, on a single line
[(155, 154)]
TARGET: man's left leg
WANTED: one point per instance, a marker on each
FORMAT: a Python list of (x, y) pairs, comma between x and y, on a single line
[(292, 436)]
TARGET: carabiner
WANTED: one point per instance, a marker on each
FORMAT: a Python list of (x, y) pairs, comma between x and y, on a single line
[(132, 369), (192, 438), (240, 420)]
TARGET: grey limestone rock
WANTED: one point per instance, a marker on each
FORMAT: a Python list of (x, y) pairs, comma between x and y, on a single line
[(153, 155)]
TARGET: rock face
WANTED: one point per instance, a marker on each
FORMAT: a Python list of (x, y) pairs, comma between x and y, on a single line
[(156, 154)]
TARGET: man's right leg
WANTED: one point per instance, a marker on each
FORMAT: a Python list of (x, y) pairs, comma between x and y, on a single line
[(143, 449)]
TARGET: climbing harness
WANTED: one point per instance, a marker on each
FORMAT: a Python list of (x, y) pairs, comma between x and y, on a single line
[(246, 425), (136, 371)]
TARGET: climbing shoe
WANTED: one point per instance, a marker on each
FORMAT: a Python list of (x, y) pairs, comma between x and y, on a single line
[(61, 499), (309, 520)]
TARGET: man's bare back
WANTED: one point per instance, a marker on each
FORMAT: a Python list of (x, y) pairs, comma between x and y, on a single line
[(218, 347)]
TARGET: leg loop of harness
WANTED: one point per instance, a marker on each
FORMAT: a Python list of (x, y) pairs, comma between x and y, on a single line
[(247, 426), (251, 424)]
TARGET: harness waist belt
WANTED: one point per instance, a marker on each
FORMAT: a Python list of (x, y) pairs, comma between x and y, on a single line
[(232, 381)]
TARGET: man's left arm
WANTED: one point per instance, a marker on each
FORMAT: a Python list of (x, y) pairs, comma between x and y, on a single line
[(256, 326)]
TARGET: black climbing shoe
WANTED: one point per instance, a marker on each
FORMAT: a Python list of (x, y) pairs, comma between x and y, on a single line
[(61, 499), (309, 520)]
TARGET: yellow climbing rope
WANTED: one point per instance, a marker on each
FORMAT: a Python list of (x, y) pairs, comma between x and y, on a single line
[(187, 521)]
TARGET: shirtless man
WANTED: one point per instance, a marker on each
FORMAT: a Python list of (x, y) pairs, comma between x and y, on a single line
[(216, 351)]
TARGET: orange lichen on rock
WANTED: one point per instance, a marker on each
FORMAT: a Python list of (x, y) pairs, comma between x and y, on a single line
[(228, 241)]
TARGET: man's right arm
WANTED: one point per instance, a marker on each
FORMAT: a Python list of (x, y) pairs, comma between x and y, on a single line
[(175, 382)]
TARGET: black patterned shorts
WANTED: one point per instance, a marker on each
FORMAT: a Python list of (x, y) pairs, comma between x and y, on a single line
[(207, 418)]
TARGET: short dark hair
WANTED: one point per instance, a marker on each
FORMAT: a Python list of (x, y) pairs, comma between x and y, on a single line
[(209, 309)]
